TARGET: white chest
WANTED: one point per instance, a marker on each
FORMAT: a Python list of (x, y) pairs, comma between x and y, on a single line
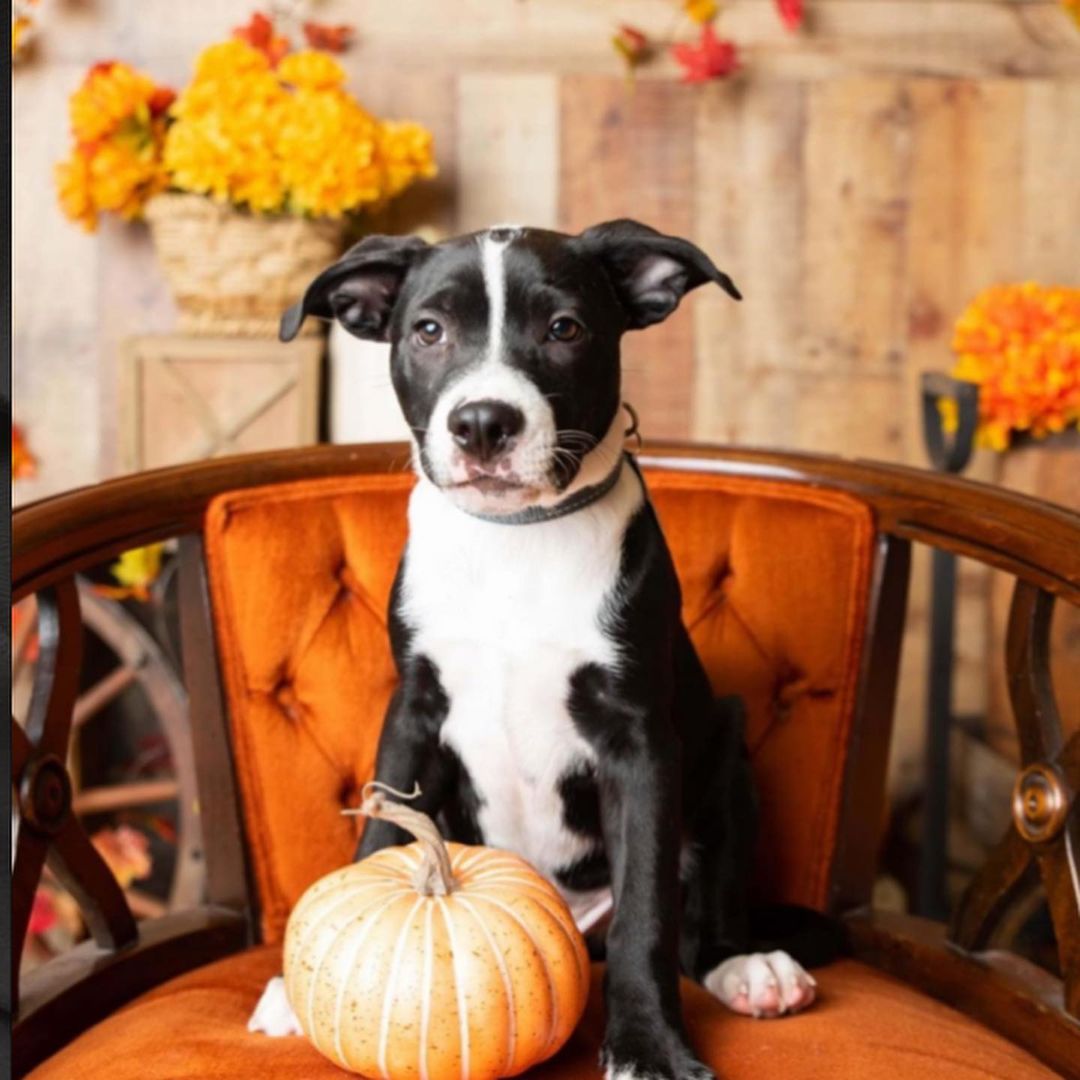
[(507, 614)]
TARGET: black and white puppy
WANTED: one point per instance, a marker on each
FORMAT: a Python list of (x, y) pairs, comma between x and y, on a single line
[(550, 700)]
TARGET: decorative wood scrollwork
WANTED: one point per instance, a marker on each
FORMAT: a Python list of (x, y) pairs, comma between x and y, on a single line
[(1042, 800), (48, 831), (1046, 833)]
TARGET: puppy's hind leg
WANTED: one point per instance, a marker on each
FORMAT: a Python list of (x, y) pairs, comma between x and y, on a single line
[(717, 938)]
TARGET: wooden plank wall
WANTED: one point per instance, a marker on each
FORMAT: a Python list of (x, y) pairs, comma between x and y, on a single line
[(860, 181)]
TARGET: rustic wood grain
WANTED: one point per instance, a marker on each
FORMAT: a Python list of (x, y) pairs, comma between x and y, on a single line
[(1050, 214), (507, 150), (631, 154), (957, 37), (429, 98), (749, 215)]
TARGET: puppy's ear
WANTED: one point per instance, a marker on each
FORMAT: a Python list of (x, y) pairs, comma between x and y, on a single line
[(651, 272), (360, 289)]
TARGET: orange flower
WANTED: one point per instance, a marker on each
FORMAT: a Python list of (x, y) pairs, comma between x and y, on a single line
[(118, 123), (23, 462), (110, 94), (1021, 344)]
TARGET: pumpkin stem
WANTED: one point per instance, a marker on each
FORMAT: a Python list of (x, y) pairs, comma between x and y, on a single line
[(434, 876)]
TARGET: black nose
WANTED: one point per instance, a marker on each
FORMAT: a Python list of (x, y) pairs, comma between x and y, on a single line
[(483, 428)]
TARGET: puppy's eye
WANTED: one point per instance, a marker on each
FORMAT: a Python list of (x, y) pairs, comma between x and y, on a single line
[(429, 331), (565, 329)]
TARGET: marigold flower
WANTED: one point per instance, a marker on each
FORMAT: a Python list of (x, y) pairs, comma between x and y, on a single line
[(311, 70), (289, 139), (1021, 344), (73, 188), (110, 93), (118, 123)]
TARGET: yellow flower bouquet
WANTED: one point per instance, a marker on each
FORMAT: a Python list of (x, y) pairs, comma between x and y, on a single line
[(285, 138), (1021, 345), (246, 178), (288, 138)]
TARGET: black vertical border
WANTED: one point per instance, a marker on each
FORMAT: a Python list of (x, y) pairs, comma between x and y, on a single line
[(6, 966)]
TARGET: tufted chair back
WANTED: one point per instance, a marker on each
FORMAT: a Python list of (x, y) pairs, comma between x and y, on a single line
[(775, 579)]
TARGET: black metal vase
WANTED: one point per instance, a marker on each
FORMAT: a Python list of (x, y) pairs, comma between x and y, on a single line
[(948, 453)]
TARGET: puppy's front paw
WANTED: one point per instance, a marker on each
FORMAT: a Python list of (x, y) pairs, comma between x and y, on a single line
[(274, 1015), (637, 1063), (762, 984)]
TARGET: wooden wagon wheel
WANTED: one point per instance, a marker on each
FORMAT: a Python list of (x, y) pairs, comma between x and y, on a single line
[(140, 661)]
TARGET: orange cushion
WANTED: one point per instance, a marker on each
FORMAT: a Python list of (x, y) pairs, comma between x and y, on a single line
[(775, 578), (865, 1025)]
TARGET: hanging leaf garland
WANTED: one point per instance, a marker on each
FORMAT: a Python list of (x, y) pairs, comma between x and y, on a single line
[(707, 57)]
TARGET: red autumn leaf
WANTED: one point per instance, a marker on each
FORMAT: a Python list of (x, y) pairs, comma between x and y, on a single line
[(42, 914), (710, 58), (333, 39), (163, 828), (631, 44), (259, 34), (791, 13), (161, 99)]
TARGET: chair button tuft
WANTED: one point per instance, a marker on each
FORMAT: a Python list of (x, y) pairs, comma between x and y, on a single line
[(348, 580), (720, 576), (288, 702), (348, 791)]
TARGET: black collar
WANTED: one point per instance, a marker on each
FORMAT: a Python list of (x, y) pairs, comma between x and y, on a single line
[(585, 496)]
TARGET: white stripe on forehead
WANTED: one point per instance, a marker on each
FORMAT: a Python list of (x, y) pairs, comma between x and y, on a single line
[(493, 245)]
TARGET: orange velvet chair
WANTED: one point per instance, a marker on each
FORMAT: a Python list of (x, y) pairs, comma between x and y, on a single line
[(794, 573)]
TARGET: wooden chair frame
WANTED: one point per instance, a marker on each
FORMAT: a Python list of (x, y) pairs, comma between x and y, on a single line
[(966, 964)]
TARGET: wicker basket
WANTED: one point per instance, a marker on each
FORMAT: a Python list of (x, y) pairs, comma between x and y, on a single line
[(233, 273)]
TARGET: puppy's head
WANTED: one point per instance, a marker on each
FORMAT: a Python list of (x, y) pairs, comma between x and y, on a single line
[(505, 346)]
